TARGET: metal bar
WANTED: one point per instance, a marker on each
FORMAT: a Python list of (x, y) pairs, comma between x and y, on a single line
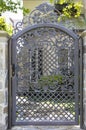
[(47, 25), (14, 100), (45, 123), (9, 85), (81, 82), (14, 85), (76, 80)]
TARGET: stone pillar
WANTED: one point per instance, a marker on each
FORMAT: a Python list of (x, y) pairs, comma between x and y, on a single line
[(84, 4), (84, 77), (3, 80)]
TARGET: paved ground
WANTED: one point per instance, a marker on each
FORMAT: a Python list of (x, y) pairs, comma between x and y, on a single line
[(47, 128)]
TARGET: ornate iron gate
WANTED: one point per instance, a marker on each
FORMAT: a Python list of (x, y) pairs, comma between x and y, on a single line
[(45, 77)]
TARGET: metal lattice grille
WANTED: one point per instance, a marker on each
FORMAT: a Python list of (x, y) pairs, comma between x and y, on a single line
[(45, 88), (45, 106)]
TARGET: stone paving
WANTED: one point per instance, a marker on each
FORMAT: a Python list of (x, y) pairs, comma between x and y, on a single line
[(46, 128)]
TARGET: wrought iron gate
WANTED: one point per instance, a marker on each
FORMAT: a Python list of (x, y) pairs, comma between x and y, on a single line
[(45, 77)]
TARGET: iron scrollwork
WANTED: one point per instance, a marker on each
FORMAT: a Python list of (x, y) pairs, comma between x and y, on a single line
[(45, 70), (44, 13)]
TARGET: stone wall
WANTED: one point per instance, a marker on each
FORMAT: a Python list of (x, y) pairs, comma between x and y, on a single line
[(84, 4), (84, 77), (3, 80)]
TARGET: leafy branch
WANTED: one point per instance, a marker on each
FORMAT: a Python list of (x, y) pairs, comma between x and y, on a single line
[(9, 5)]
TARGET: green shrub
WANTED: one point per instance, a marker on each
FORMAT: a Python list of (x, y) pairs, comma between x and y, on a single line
[(50, 80), (5, 27)]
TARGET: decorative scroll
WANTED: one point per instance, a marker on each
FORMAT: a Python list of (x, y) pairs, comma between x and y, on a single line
[(44, 13)]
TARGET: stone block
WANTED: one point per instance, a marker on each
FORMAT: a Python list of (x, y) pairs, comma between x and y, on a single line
[(84, 40), (5, 119), (84, 76), (6, 97), (85, 114), (1, 66), (2, 97), (84, 92), (1, 112), (0, 117), (1, 84), (1, 50), (3, 56), (2, 127), (6, 82), (6, 57), (5, 109)]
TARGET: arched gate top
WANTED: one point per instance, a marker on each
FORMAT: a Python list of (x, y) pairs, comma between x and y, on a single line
[(51, 25), (44, 15)]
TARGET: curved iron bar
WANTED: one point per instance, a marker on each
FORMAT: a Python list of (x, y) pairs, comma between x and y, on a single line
[(44, 13)]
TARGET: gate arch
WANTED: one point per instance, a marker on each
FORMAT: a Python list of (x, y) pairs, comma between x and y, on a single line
[(45, 77)]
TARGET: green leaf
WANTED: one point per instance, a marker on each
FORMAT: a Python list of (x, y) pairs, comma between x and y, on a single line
[(51, 1)]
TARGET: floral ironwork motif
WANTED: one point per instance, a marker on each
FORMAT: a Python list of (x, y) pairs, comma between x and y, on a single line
[(44, 13), (46, 80), (45, 72)]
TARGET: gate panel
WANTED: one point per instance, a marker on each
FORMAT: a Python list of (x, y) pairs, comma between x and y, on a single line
[(45, 77)]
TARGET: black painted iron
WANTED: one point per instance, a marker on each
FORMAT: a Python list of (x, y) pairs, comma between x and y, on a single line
[(45, 78)]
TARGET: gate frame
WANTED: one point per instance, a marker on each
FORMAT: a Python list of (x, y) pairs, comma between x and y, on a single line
[(11, 71), (81, 82)]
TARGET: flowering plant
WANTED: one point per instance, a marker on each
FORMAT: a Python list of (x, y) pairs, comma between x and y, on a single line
[(5, 27)]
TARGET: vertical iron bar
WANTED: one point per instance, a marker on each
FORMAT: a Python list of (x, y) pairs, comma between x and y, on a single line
[(9, 85), (14, 85), (81, 82)]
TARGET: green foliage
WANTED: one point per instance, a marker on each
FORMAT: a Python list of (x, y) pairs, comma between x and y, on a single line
[(5, 27), (9, 5), (51, 1), (71, 8), (50, 80)]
